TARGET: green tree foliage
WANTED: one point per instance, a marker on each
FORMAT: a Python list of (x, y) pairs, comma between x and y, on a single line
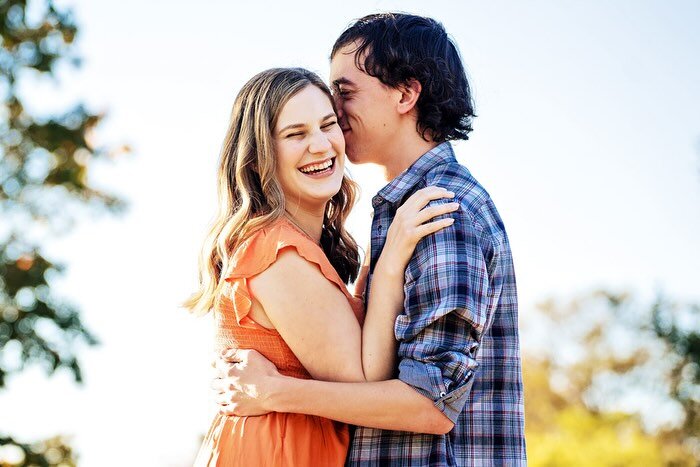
[(44, 188), (615, 383), (682, 345), (51, 452)]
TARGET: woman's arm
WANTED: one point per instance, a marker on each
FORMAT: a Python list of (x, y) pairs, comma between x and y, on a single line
[(386, 295), (314, 317)]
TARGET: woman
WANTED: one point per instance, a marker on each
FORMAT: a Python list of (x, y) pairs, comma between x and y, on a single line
[(276, 263)]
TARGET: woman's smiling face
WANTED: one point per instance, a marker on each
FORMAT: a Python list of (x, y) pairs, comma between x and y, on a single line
[(310, 150)]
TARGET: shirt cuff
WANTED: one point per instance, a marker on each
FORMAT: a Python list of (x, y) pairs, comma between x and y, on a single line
[(428, 380)]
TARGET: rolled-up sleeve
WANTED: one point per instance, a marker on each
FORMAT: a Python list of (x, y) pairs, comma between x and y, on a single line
[(448, 306)]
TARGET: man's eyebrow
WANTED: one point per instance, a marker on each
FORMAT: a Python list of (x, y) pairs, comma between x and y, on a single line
[(342, 80), (294, 126)]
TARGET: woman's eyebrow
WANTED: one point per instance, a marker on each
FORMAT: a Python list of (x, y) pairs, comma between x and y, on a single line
[(294, 126)]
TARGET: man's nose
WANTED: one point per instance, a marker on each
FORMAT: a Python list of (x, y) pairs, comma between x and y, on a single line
[(338, 105)]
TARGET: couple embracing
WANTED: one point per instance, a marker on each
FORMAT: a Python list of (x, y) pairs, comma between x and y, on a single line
[(422, 366)]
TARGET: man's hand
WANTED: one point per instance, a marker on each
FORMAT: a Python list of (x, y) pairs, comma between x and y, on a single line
[(242, 382)]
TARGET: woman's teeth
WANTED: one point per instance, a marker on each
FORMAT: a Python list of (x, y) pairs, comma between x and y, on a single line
[(317, 167)]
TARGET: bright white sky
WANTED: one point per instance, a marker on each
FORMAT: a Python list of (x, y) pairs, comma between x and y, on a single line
[(588, 139)]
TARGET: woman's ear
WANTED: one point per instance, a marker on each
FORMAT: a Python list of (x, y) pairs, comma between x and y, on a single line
[(410, 92)]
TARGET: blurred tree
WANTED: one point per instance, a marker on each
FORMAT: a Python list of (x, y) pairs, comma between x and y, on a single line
[(616, 384), (682, 348), (51, 452), (564, 432), (44, 164)]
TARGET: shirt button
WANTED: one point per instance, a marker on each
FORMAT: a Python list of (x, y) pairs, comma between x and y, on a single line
[(442, 394), (379, 228)]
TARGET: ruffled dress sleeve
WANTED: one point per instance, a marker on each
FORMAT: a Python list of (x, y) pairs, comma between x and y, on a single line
[(261, 250)]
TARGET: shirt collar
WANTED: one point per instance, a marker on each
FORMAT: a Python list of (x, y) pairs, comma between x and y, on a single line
[(404, 182)]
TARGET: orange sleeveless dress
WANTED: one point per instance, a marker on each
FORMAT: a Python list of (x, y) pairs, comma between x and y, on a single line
[(275, 439)]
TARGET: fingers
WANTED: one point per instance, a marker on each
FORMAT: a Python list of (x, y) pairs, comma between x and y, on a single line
[(425, 195), (238, 355), (221, 361), (224, 368), (223, 399), (430, 212), (229, 383), (229, 409), (432, 227), (412, 220), (230, 355), (218, 385), (225, 391), (225, 361), (413, 211)]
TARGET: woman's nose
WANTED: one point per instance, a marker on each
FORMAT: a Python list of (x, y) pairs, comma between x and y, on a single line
[(319, 142)]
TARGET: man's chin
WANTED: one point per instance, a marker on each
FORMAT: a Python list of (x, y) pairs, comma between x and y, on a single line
[(352, 158), (360, 159)]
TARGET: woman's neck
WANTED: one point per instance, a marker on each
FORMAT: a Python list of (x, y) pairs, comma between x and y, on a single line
[(311, 223)]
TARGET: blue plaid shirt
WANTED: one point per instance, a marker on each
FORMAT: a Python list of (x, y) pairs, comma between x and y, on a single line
[(458, 334)]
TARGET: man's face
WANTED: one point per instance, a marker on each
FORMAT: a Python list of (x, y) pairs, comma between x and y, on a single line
[(366, 109)]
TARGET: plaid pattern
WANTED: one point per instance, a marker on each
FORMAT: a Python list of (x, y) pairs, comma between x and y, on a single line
[(458, 334)]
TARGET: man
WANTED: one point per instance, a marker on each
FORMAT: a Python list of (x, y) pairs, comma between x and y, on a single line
[(402, 95)]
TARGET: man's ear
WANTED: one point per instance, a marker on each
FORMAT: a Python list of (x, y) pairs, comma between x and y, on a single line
[(410, 92)]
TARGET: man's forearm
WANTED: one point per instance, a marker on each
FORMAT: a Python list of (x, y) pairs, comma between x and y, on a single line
[(391, 405)]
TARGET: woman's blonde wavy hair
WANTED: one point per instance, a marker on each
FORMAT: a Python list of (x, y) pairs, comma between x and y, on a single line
[(250, 197)]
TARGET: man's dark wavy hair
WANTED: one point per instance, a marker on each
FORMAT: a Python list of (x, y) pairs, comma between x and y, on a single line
[(398, 47)]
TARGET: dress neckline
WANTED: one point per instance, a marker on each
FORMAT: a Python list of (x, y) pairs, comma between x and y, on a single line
[(298, 228)]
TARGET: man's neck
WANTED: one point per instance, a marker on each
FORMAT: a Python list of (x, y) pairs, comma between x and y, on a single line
[(403, 154)]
